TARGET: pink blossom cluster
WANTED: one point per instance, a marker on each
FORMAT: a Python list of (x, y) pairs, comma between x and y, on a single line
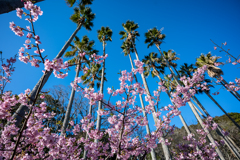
[(233, 62), (139, 66), (234, 86), (98, 59), (231, 86), (35, 11), (6, 72), (102, 112), (56, 65), (26, 58), (191, 85), (74, 84), (8, 101), (85, 70), (93, 96), (125, 76), (16, 29), (218, 64), (7, 68)]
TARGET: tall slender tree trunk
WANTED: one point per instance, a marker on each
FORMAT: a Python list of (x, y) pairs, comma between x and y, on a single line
[(69, 107), (176, 71), (234, 144), (153, 154), (206, 130), (19, 114), (192, 107), (164, 146), (237, 125), (231, 145), (98, 126)]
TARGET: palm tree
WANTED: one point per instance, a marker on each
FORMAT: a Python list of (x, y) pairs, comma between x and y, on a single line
[(154, 36), (105, 34), (79, 47), (127, 49), (82, 17), (130, 35), (214, 71)]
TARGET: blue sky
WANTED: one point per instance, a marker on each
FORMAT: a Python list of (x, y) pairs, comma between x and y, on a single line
[(188, 25)]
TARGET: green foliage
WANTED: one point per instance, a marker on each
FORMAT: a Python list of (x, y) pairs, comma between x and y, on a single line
[(70, 2), (92, 75), (105, 34), (127, 47), (81, 2), (130, 26), (129, 34), (83, 45), (152, 66), (224, 118), (170, 56), (154, 36), (187, 70), (83, 15), (207, 59)]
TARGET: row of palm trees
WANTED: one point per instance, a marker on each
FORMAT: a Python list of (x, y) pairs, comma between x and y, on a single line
[(154, 63), (154, 37)]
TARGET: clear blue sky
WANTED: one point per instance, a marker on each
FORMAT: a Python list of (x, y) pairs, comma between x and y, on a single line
[(189, 25)]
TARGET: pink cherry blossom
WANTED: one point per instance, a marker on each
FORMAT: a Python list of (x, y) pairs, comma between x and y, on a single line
[(19, 12)]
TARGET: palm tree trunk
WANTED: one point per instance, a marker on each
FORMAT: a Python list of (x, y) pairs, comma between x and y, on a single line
[(192, 108), (164, 146), (69, 107), (19, 114), (237, 125), (98, 126), (206, 130), (231, 145), (234, 144), (153, 154), (176, 71)]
